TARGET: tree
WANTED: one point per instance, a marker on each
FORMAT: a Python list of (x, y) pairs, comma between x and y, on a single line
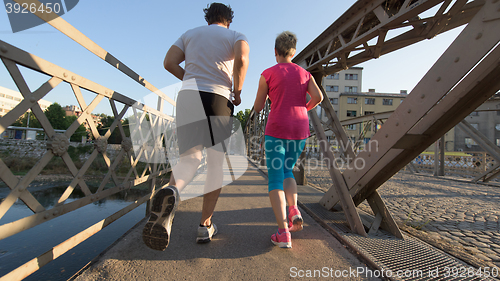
[(243, 118), (23, 121), (56, 115), (115, 137), (80, 132)]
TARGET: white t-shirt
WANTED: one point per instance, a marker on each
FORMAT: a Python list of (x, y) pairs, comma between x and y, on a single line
[(209, 58)]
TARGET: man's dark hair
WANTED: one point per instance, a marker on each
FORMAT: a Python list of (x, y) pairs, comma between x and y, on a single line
[(218, 13)]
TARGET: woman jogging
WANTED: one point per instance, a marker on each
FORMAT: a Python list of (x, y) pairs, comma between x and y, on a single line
[(286, 85)]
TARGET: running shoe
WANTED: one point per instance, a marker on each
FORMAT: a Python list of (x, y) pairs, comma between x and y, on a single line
[(156, 232), (205, 233), (295, 220), (283, 240)]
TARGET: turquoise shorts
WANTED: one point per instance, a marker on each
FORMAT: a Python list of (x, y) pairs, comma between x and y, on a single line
[(281, 156)]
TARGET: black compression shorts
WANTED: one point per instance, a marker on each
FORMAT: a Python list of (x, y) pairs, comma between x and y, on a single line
[(203, 119)]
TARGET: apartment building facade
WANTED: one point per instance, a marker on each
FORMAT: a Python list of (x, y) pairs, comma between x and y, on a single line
[(9, 99)]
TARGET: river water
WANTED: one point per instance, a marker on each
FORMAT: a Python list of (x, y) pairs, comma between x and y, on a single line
[(22, 247)]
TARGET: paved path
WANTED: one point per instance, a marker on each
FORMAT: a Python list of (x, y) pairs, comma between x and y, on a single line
[(464, 214), (241, 251)]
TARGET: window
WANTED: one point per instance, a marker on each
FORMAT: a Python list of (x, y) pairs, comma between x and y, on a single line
[(352, 100), (498, 111), (387, 102), (474, 113), (3, 95), (9, 97), (369, 112), (351, 77), (401, 101), (333, 76), (475, 126), (351, 89), (351, 127), (351, 113), (332, 88), (334, 100), (469, 142), (17, 99), (369, 101)]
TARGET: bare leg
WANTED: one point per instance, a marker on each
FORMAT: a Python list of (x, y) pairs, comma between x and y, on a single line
[(290, 187), (209, 202), (277, 198), (213, 183), (184, 171)]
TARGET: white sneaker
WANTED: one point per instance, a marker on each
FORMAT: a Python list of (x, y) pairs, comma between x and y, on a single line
[(205, 233)]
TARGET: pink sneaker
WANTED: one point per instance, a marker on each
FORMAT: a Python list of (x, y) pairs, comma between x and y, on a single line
[(283, 240), (295, 220)]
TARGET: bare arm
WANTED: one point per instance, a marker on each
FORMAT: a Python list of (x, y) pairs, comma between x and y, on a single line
[(262, 91), (314, 93), (173, 59), (241, 51)]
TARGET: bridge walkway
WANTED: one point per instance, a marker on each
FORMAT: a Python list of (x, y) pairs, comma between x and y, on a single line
[(241, 250)]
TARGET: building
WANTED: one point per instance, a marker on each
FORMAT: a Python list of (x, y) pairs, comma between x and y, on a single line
[(73, 110), (9, 99), (345, 81), (486, 121), (361, 104)]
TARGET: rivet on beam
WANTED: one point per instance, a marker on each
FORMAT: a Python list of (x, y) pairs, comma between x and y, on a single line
[(397, 124), (32, 99), (73, 78), (409, 110), (457, 59), (65, 74), (56, 212), (479, 35), (438, 79), (422, 96), (3, 49), (386, 135)]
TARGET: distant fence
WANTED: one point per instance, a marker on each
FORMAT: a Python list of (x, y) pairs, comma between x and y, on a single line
[(469, 164)]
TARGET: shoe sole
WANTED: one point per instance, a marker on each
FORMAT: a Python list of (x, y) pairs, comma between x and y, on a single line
[(297, 222), (156, 232), (285, 245)]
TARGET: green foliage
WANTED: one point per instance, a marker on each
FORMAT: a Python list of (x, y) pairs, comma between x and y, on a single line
[(57, 116), (23, 121), (242, 116), (80, 132), (115, 137)]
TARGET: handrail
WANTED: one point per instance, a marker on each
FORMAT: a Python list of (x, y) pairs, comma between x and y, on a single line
[(151, 150)]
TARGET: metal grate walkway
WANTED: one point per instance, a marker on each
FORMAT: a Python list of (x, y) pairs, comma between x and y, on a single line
[(398, 259)]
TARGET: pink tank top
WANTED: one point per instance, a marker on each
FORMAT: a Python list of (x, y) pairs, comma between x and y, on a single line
[(288, 118)]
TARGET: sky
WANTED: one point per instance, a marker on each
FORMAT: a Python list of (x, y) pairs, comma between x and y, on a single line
[(139, 34)]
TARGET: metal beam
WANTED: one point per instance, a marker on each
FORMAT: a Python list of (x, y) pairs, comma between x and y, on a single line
[(459, 81), (378, 17)]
